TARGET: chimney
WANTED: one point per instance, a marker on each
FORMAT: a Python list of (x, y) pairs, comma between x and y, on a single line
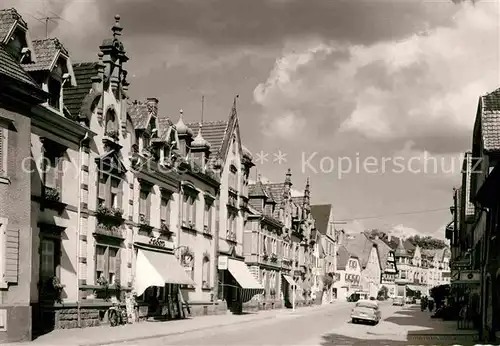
[(152, 104), (288, 180)]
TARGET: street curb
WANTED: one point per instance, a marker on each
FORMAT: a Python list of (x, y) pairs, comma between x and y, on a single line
[(156, 336)]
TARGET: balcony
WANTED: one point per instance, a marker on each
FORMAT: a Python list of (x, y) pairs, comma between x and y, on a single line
[(112, 231), (111, 217), (51, 199)]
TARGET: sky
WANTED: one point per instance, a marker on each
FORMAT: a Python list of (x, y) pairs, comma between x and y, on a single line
[(373, 100)]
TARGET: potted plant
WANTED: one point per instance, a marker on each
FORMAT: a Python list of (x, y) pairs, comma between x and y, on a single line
[(274, 258), (265, 256), (58, 287), (165, 230), (102, 292), (51, 194)]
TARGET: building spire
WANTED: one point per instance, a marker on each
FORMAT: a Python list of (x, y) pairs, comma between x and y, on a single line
[(117, 28)]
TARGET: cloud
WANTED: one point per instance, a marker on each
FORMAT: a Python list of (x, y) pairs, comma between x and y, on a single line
[(422, 88), (402, 231)]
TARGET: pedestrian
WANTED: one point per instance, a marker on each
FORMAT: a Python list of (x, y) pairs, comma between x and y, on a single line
[(431, 305)]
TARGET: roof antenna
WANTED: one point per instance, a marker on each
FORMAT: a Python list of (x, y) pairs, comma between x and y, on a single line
[(46, 19), (202, 106)]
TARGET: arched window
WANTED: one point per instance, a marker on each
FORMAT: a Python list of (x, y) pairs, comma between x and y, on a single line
[(111, 128), (206, 272)]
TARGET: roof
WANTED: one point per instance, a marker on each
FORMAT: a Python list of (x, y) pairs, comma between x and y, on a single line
[(9, 17), (257, 190), (360, 245), (45, 52), (343, 256), (277, 191), (260, 190), (299, 200), (321, 214), (490, 120), (214, 132), (12, 69), (383, 250), (139, 113), (73, 96), (401, 251)]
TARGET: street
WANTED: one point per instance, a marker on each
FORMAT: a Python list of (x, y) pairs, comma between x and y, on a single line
[(330, 325)]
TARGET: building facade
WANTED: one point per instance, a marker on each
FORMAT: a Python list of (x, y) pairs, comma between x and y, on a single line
[(366, 250), (348, 274), (389, 267), (327, 248), (19, 93)]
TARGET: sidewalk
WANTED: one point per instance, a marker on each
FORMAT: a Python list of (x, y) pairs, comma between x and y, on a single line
[(417, 325), (106, 335)]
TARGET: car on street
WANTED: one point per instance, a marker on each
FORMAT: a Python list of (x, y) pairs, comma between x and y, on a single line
[(398, 301), (366, 311)]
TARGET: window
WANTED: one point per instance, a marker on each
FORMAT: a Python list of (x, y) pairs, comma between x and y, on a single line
[(47, 259), (165, 210), (231, 221), (234, 146), (144, 206), (17, 43), (111, 125), (206, 272), (54, 93), (106, 265), (207, 217), (233, 179), (110, 194), (189, 209)]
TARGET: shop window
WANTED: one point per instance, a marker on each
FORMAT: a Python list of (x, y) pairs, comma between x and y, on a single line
[(106, 264)]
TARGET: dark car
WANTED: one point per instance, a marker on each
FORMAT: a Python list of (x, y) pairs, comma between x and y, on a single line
[(353, 297)]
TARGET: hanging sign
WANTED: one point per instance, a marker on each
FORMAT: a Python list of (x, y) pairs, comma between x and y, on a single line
[(222, 263), (156, 242)]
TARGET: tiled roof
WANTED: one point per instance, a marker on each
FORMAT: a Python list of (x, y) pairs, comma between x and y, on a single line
[(45, 51), (490, 121), (213, 132), (12, 69), (383, 250), (343, 256), (257, 190), (321, 214), (277, 191), (299, 200), (8, 18), (73, 96), (139, 114), (360, 245), (164, 125)]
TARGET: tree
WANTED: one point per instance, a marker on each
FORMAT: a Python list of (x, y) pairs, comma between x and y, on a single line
[(427, 242), (383, 293)]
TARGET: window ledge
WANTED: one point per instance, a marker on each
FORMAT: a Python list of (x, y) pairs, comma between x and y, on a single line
[(3, 284), (5, 180)]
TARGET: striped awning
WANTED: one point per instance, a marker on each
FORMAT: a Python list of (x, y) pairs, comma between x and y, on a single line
[(290, 280), (249, 285)]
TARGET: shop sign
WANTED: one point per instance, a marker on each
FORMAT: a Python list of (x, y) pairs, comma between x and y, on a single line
[(222, 263), (156, 242)]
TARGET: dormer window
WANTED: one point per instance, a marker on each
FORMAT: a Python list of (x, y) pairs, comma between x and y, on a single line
[(111, 125), (18, 45), (58, 76)]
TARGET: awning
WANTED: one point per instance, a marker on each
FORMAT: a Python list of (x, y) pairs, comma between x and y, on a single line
[(415, 288), (157, 269), (250, 286), (242, 274), (290, 280)]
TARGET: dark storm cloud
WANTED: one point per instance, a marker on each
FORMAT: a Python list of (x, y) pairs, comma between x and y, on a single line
[(261, 22)]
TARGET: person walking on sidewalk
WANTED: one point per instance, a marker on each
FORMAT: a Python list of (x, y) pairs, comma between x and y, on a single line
[(431, 305)]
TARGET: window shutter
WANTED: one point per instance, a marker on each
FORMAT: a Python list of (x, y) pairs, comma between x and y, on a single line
[(59, 173), (11, 255), (193, 215), (102, 187), (2, 136), (148, 206), (119, 195), (118, 265)]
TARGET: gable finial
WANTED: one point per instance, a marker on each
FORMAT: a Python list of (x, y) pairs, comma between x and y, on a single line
[(117, 28)]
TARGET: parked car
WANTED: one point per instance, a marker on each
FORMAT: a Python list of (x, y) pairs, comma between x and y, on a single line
[(366, 311), (353, 297), (398, 301)]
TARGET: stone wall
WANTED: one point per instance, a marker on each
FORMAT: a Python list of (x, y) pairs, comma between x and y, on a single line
[(207, 308), (68, 318)]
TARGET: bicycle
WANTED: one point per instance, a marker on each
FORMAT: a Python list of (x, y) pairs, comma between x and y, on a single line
[(117, 315)]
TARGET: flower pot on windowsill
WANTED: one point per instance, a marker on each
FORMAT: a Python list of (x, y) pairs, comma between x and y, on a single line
[(206, 230), (145, 227), (189, 226), (165, 231), (51, 199), (109, 231), (265, 257), (274, 258), (112, 134), (109, 216)]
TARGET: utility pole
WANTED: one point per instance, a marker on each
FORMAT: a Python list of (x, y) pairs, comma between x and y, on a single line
[(336, 247)]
